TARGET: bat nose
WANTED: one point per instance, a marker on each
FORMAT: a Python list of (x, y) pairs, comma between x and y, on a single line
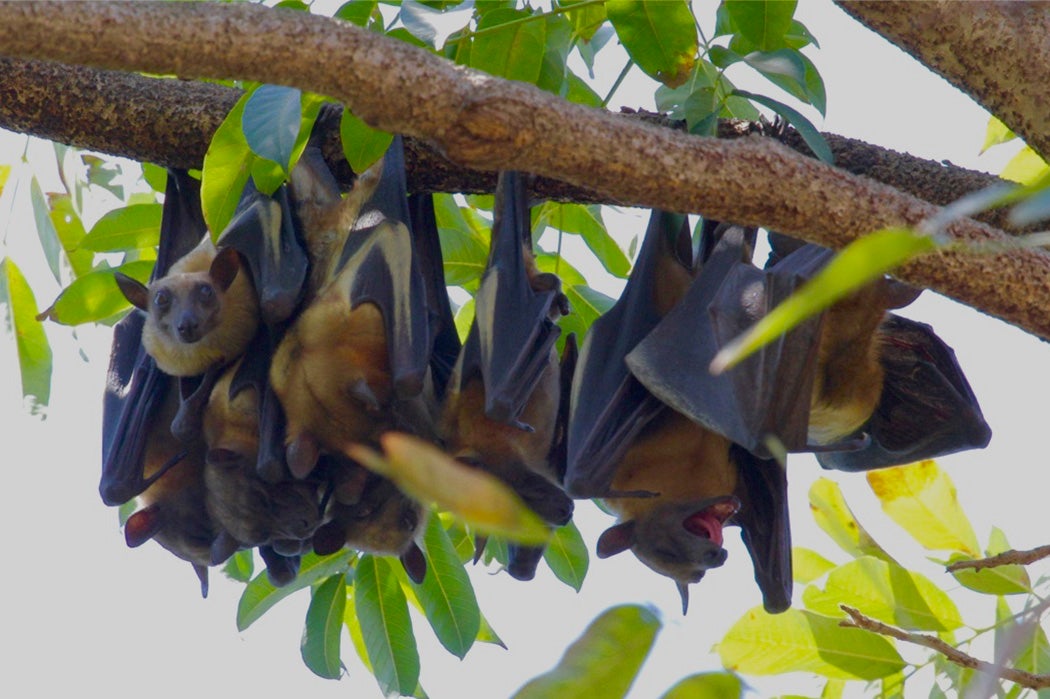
[(188, 329)]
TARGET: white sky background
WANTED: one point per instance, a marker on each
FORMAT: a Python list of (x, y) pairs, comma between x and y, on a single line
[(80, 613)]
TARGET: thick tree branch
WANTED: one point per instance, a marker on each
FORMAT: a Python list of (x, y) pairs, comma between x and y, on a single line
[(998, 53), (486, 123), (1025, 679)]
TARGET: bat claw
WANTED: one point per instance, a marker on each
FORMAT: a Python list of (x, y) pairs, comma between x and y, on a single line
[(362, 392)]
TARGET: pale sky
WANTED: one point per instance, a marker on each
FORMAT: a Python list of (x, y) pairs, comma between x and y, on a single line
[(81, 613)]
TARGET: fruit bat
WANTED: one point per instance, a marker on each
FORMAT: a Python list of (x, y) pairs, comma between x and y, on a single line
[(360, 347), (501, 409)]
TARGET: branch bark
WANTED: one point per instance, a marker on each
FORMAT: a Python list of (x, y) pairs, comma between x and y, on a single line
[(1011, 557), (486, 123), (998, 53)]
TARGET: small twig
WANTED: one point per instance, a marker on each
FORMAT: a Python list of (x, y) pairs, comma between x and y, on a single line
[(1025, 679), (1010, 557)]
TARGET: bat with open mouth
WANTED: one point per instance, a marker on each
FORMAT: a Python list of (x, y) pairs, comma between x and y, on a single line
[(501, 410)]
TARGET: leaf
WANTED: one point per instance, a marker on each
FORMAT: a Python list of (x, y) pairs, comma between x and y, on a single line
[(862, 261), (446, 595), (807, 565), (887, 592), (128, 228), (362, 145), (833, 515), (464, 319), (34, 352), (1000, 580), (509, 48), (579, 92), (94, 296), (1033, 209), (798, 641), (804, 126), (586, 221), (586, 19), (426, 473), (794, 73), (260, 595), (922, 499), (1027, 167), (360, 12), (557, 43), (239, 566), (70, 232), (764, 24), (566, 554), (270, 122), (324, 624), (707, 685), (385, 626), (625, 633), (45, 230), (997, 133), (1028, 644), (227, 166), (419, 20), (659, 36)]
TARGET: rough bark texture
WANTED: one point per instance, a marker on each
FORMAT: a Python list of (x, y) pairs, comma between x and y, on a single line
[(998, 53), (488, 124)]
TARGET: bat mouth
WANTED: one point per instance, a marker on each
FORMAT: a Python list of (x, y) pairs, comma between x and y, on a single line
[(708, 521)]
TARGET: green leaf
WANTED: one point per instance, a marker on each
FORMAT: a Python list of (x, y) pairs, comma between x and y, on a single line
[(887, 592), (707, 685), (799, 36), (464, 319), (486, 634), (270, 122), (386, 628), (566, 554), (804, 126), (586, 221), (464, 242), (227, 166), (362, 145), (34, 352), (1000, 580), (659, 36), (922, 499), (800, 641), (557, 42), (70, 231), (446, 595), (807, 565), (833, 515), (419, 20), (509, 48), (997, 133), (94, 296), (792, 72), (260, 595), (579, 92), (586, 20), (625, 633), (45, 230), (156, 177), (1027, 167), (360, 12), (1028, 644), (324, 624), (857, 264), (239, 566), (127, 228), (764, 24), (1033, 209)]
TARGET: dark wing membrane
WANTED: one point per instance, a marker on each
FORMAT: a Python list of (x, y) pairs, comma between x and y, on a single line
[(927, 408), (608, 406)]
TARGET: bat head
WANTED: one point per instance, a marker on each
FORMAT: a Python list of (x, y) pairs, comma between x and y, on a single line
[(184, 531), (681, 540)]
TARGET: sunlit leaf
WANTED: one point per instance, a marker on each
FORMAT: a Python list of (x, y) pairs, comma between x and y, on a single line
[(585, 19), (833, 515), (859, 263), (764, 24), (922, 499), (566, 554), (625, 633), (126, 228), (260, 594), (427, 474), (1027, 167), (509, 48), (45, 230), (996, 134), (156, 176), (362, 145), (799, 641), (887, 592), (659, 36), (94, 296), (807, 565), (446, 595), (999, 580), (239, 566), (227, 166), (464, 319), (707, 685), (385, 626), (270, 122), (34, 353), (323, 631)]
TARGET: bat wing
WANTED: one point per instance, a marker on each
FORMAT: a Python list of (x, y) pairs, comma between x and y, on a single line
[(263, 231), (766, 395), (608, 405), (926, 409), (135, 387), (382, 268), (765, 526)]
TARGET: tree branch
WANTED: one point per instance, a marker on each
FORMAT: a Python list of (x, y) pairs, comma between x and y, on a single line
[(486, 123), (1011, 557), (1025, 679), (998, 53)]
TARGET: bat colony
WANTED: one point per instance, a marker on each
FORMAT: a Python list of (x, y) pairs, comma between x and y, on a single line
[(319, 320)]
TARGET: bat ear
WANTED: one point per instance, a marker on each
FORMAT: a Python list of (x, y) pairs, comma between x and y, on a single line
[(223, 547), (224, 267), (202, 575), (142, 526), (415, 563), (134, 291), (616, 539), (479, 547), (683, 590)]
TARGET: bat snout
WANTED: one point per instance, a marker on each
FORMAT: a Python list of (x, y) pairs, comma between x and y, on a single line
[(188, 329)]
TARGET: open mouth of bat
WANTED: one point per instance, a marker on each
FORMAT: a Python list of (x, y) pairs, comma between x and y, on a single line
[(708, 521)]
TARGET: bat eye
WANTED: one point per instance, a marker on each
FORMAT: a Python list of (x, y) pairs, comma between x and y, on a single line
[(206, 294), (162, 299)]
